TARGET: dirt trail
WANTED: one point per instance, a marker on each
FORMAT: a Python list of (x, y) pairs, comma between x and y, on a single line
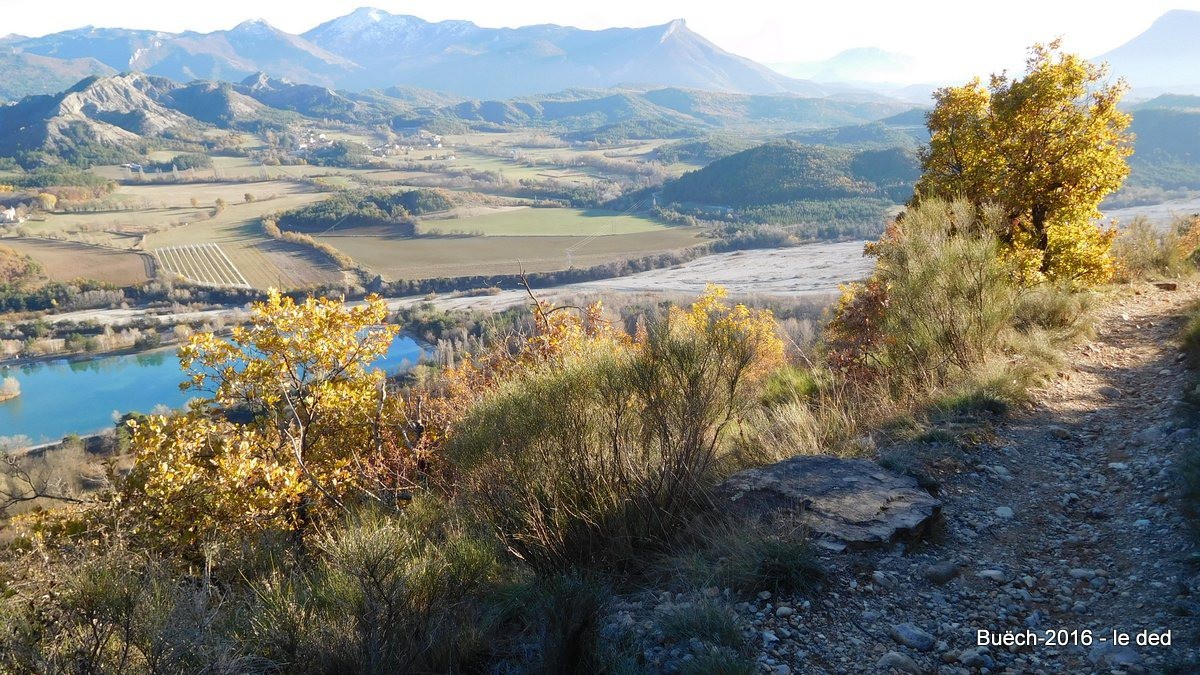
[(1066, 520)]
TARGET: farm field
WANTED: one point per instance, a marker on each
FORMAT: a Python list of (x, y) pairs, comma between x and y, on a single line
[(201, 263), (162, 208), (67, 261), (174, 223), (263, 261), (244, 169), (424, 258), (511, 170), (532, 222)]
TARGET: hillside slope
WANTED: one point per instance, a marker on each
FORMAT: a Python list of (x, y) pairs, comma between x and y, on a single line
[(786, 171), (1059, 517), (109, 112)]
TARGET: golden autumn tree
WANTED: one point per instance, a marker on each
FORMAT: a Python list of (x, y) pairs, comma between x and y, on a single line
[(1047, 148), (292, 411)]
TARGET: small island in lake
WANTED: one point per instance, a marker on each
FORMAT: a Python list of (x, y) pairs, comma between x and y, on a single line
[(9, 389)]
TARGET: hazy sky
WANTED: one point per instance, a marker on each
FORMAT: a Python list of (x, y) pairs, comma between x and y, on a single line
[(948, 38)]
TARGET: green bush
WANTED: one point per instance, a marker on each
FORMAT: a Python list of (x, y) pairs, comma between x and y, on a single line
[(789, 384), (115, 611), (598, 455), (940, 299), (390, 595)]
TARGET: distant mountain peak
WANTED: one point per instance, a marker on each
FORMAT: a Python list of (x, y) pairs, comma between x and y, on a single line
[(255, 25), (675, 25), (1162, 58), (370, 13)]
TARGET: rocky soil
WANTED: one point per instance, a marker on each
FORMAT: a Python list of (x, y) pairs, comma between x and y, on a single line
[(1064, 519)]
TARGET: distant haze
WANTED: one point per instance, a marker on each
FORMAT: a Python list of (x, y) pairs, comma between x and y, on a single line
[(936, 39)]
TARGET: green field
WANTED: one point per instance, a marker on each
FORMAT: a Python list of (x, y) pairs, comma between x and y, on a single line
[(536, 222), (429, 257)]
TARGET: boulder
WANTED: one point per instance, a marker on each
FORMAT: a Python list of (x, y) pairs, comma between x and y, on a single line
[(844, 503)]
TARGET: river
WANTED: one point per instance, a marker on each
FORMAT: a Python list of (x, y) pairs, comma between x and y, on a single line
[(62, 397)]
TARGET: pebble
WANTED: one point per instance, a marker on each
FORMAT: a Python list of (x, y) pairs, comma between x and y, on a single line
[(973, 658), (1004, 512), (912, 636), (942, 573), (898, 661), (995, 575)]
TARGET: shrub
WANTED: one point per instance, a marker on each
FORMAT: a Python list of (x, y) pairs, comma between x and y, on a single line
[(10, 387), (939, 299), (113, 610), (388, 594), (605, 447), (1143, 250)]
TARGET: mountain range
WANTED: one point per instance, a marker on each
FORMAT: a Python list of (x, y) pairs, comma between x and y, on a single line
[(102, 115), (371, 48)]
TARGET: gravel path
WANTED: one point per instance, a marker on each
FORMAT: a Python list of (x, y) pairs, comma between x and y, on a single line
[(1064, 521), (1060, 521)]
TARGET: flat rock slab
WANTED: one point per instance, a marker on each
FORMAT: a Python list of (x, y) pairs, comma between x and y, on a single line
[(844, 502)]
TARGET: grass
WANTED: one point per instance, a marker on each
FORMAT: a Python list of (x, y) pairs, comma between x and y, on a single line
[(425, 258), (707, 621), (746, 558), (718, 663), (1190, 342), (532, 222)]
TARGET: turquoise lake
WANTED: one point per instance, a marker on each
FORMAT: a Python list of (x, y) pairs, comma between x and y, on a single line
[(78, 397)]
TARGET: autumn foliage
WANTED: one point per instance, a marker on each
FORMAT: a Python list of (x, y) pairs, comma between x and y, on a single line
[(1047, 149), (293, 412), (295, 426)]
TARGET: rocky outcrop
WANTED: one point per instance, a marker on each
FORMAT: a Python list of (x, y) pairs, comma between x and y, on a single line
[(845, 503)]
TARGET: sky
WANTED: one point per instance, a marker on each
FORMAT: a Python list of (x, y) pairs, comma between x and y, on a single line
[(946, 38)]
